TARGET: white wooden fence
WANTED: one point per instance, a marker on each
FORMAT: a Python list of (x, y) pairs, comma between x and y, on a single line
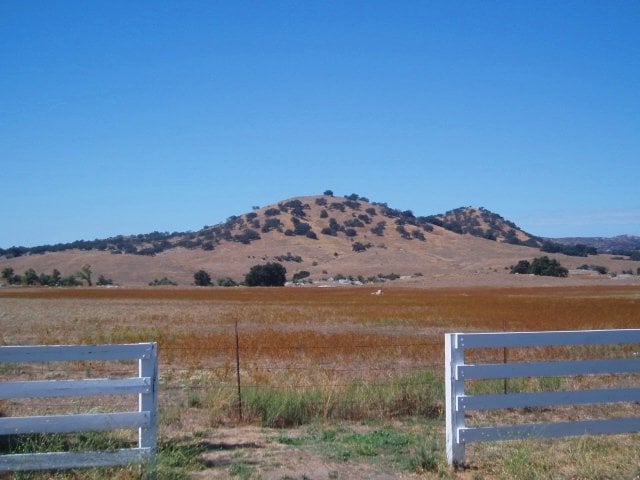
[(145, 385), (457, 372)]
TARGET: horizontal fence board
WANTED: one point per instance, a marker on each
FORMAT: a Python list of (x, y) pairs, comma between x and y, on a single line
[(61, 353), (75, 388), (547, 369), (545, 399), (73, 423), (61, 460), (547, 339), (145, 386), (549, 430)]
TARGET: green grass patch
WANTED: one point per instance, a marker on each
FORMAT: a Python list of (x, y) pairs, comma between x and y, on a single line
[(406, 447), (241, 470), (83, 441), (418, 394), (174, 459)]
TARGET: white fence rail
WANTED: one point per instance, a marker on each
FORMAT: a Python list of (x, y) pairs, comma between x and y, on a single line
[(145, 386), (457, 372)]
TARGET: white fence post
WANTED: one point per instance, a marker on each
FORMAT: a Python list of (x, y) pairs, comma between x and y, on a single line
[(148, 402), (454, 388)]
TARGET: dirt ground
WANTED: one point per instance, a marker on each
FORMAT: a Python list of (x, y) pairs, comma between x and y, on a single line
[(267, 458)]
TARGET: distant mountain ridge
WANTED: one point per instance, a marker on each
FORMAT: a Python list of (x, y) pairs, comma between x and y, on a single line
[(621, 244), (317, 238)]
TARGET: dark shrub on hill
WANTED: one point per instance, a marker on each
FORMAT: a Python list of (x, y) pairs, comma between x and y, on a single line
[(161, 282), (247, 236), (389, 212), (360, 247), (522, 267), (300, 228), (353, 223), (300, 275), (596, 268), (296, 207), (403, 231), (271, 224), (379, 229), (543, 266), (226, 282), (352, 204), (9, 275), (267, 275), (202, 279), (103, 281), (289, 258), (424, 223)]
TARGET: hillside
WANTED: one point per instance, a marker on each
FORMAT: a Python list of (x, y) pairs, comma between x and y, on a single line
[(324, 235), (480, 222)]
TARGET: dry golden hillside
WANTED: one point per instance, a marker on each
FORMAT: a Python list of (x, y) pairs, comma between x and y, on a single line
[(328, 237)]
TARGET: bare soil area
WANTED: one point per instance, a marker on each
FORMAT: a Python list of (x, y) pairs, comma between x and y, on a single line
[(267, 458)]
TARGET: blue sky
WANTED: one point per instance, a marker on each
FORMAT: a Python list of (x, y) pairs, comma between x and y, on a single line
[(120, 117)]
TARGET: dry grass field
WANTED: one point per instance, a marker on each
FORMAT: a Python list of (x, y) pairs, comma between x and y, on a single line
[(320, 367)]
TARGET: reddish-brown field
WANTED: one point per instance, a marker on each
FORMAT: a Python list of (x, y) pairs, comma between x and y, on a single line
[(343, 333), (287, 322)]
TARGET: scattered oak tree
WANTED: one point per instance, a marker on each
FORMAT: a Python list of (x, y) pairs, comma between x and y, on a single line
[(267, 275), (202, 279), (10, 276), (84, 274), (103, 281), (227, 282), (543, 266)]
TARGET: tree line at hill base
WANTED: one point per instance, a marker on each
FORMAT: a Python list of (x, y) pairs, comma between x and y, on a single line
[(55, 279), (544, 266)]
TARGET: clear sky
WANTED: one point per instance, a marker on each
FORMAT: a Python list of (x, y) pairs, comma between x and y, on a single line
[(125, 117)]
